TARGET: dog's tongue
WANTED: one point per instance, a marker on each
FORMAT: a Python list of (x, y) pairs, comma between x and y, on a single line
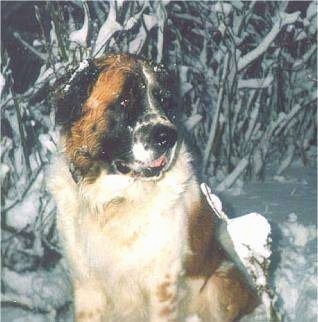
[(158, 163)]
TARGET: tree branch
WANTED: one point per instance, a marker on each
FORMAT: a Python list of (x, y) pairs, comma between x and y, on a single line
[(283, 19)]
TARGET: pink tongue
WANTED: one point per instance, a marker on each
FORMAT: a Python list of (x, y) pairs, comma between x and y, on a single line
[(160, 162)]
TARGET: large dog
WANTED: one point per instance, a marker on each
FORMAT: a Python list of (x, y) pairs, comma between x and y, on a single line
[(138, 235)]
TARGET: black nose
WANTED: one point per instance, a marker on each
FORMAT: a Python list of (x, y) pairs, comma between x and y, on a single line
[(163, 137)]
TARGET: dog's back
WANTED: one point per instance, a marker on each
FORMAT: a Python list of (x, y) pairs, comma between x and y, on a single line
[(138, 235)]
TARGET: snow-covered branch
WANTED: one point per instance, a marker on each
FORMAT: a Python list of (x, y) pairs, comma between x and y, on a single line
[(231, 178), (109, 27), (255, 82), (283, 19), (80, 36), (40, 55), (214, 125)]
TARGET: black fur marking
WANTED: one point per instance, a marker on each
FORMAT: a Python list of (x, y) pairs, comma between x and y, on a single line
[(72, 93)]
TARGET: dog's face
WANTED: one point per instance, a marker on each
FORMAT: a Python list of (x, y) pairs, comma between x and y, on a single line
[(118, 113)]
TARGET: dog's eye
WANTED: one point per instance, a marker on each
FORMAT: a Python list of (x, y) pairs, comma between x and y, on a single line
[(124, 102), (165, 99), (163, 96)]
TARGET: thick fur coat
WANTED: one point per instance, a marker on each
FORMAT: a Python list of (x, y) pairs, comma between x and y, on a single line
[(137, 233)]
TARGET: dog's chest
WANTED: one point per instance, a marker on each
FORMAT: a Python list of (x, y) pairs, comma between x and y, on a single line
[(133, 239)]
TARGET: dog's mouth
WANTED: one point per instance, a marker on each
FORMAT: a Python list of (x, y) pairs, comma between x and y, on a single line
[(152, 169)]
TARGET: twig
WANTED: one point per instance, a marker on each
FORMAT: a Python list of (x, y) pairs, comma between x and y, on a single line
[(255, 82), (231, 178), (55, 13), (22, 136), (16, 300), (162, 16), (42, 56), (215, 121), (287, 160)]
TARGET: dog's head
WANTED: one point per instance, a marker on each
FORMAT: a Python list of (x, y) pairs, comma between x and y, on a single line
[(118, 114)]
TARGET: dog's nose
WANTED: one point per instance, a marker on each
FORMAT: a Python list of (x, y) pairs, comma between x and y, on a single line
[(163, 137)]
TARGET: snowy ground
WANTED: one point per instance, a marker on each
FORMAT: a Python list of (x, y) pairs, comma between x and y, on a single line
[(288, 201)]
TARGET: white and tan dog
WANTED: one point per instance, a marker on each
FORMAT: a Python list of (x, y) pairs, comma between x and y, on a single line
[(136, 230)]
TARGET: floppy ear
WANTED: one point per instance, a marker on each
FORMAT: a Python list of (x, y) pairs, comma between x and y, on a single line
[(72, 90)]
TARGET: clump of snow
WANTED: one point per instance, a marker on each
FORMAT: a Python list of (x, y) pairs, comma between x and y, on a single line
[(4, 170), (83, 64), (47, 142), (222, 7), (37, 290), (24, 213), (2, 83), (150, 21), (297, 234), (296, 275), (250, 235)]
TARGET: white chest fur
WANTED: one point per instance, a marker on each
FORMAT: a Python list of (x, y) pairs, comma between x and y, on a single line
[(118, 221), (127, 234), (132, 237)]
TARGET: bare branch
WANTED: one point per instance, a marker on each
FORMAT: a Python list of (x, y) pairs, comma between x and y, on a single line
[(42, 56), (231, 178), (215, 122)]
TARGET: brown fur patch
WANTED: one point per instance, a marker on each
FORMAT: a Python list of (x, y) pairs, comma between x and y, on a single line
[(166, 311), (87, 315), (83, 139), (235, 296), (206, 254), (163, 292)]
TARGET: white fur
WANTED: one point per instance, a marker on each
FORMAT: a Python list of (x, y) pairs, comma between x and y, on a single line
[(126, 234), (141, 154), (150, 81)]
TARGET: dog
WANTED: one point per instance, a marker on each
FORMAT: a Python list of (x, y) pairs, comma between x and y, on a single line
[(138, 235)]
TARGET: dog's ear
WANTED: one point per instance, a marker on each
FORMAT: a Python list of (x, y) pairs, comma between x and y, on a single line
[(72, 90)]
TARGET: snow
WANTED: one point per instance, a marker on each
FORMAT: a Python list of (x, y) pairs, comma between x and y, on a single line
[(221, 7), (249, 234), (109, 27), (83, 64), (37, 291), (150, 21), (25, 213), (80, 36), (2, 83), (283, 19), (47, 142), (291, 207)]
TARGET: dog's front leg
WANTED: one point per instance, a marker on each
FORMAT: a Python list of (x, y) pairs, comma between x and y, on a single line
[(166, 295), (89, 302)]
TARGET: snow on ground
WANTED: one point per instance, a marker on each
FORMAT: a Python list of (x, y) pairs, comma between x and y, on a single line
[(288, 201)]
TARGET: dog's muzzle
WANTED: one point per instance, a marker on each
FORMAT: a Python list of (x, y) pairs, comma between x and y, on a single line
[(153, 150)]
